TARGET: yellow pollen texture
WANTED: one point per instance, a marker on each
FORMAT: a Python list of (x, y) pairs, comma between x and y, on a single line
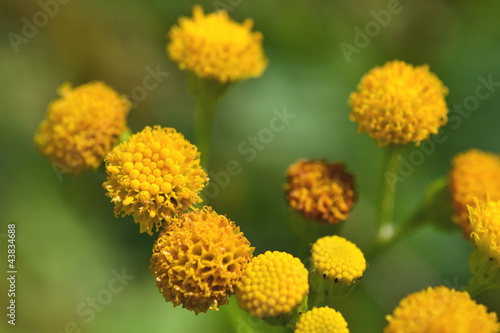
[(398, 103), (154, 176), (474, 173), (485, 222), (198, 259), (321, 320), (320, 190), (213, 46), (441, 310), (274, 283), (82, 126), (338, 259)]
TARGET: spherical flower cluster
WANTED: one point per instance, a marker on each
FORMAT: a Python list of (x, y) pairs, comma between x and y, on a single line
[(320, 190), (154, 176), (274, 283), (335, 258), (441, 310), (474, 173), (398, 103), (198, 259), (485, 222), (82, 126), (321, 320), (215, 47)]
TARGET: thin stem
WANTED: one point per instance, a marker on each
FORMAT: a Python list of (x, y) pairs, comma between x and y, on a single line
[(476, 287), (387, 190), (204, 119)]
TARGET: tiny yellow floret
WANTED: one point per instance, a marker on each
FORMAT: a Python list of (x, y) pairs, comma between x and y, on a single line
[(154, 192), (397, 104), (274, 284), (198, 259), (320, 190), (213, 46), (441, 310), (82, 126), (474, 173), (335, 258), (322, 320)]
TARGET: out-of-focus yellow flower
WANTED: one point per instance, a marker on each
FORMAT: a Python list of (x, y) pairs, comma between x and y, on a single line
[(441, 310), (213, 46), (82, 126), (398, 103), (473, 174), (321, 320), (274, 285), (338, 260), (154, 176), (198, 259), (320, 190)]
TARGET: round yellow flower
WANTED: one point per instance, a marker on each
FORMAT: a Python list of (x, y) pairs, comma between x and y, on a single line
[(485, 222), (337, 259), (213, 46), (198, 259), (441, 310), (398, 103), (154, 176), (320, 190), (321, 320), (82, 126), (474, 173), (274, 284)]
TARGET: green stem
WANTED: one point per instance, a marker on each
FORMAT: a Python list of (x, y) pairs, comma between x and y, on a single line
[(208, 93), (387, 190), (476, 287)]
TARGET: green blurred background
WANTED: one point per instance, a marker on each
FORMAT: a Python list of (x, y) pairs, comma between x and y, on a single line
[(69, 244)]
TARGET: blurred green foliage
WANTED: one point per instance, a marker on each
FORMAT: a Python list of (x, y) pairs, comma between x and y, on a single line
[(69, 242)]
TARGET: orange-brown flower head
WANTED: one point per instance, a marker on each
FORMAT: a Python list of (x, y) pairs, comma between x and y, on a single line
[(82, 126), (320, 190), (154, 176), (213, 46), (398, 103), (198, 259), (441, 310), (474, 173)]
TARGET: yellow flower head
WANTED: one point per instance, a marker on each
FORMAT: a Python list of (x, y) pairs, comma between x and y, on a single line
[(485, 222), (320, 190), (274, 284), (321, 320), (441, 310), (213, 46), (82, 126), (154, 176), (398, 103), (335, 258), (198, 259), (474, 173)]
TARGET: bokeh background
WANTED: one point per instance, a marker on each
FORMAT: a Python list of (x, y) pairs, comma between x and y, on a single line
[(69, 244)]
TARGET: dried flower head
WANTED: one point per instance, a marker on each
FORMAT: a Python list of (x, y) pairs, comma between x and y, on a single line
[(441, 310), (198, 259), (320, 190), (213, 46), (82, 126), (398, 103), (154, 176), (473, 174), (274, 284), (321, 320)]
